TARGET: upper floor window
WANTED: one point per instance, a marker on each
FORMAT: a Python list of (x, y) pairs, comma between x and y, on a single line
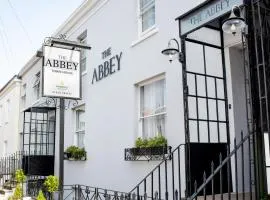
[(23, 95), (147, 14), (152, 108), (7, 110), (1, 115), (37, 86), (83, 39)]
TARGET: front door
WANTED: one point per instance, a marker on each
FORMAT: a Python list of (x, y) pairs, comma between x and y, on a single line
[(206, 107)]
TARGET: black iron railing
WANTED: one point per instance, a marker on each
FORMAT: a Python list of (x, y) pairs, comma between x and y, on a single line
[(239, 175), (147, 153), (164, 179), (83, 192), (8, 166)]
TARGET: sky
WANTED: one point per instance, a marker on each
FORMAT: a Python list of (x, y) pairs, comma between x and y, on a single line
[(24, 24)]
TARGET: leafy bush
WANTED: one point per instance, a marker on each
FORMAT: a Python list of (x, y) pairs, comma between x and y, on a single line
[(151, 142), (51, 183), (157, 141), (40, 196), (19, 176), (18, 193), (76, 152), (141, 142), (2, 192)]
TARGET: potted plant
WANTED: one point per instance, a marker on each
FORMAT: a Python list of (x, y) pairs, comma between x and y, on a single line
[(51, 184), (75, 153), (152, 146), (40, 196)]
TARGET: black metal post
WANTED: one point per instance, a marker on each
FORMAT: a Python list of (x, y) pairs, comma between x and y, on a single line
[(61, 145)]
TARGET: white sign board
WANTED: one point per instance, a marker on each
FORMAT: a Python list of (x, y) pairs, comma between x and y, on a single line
[(205, 14), (61, 73)]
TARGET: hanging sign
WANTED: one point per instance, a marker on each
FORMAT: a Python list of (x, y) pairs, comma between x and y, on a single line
[(61, 73), (205, 13)]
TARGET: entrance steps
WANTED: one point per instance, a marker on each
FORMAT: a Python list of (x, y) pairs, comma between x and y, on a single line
[(232, 196)]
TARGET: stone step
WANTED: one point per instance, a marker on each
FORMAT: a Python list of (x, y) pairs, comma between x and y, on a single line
[(233, 196)]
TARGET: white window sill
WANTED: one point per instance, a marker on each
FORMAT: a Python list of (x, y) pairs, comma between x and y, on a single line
[(84, 73), (152, 31)]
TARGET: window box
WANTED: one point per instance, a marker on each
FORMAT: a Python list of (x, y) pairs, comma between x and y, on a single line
[(74, 153), (147, 153)]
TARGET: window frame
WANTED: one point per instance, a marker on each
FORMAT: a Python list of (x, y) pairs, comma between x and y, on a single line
[(23, 95), (140, 17), (140, 117), (82, 38), (7, 111), (36, 85), (78, 132), (1, 115)]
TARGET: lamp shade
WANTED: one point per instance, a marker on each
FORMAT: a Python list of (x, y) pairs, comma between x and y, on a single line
[(170, 51), (233, 24)]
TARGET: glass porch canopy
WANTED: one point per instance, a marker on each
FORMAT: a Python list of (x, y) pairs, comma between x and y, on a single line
[(39, 130), (210, 13)]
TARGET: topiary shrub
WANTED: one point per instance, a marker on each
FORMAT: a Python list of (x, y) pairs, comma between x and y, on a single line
[(18, 193), (19, 176), (51, 183), (40, 196)]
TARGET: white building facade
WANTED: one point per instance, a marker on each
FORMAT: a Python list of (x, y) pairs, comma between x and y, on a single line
[(9, 117), (130, 91)]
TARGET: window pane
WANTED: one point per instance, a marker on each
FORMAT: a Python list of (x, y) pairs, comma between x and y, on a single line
[(153, 98), (83, 65), (83, 56), (153, 107), (80, 121), (148, 18), (80, 139), (146, 2), (154, 126)]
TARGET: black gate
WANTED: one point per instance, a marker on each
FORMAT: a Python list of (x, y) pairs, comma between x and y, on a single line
[(258, 19), (205, 104)]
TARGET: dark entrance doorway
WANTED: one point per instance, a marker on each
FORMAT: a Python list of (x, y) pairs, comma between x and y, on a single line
[(206, 105)]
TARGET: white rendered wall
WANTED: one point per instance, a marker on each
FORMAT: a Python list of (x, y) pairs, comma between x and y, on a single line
[(9, 125), (111, 104)]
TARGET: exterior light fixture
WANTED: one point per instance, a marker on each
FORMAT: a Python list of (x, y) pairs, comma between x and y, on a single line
[(235, 23), (173, 50)]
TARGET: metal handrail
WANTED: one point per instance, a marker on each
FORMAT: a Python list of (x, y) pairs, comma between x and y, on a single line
[(219, 168), (168, 157)]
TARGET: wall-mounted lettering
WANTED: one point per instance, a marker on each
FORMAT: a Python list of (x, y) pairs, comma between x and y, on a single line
[(108, 67)]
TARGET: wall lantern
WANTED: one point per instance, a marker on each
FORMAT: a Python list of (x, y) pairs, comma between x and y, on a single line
[(235, 23), (173, 51)]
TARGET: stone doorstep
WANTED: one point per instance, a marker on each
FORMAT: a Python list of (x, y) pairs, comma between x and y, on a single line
[(226, 196)]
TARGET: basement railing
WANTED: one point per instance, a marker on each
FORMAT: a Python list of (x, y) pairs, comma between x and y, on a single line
[(165, 178), (239, 167)]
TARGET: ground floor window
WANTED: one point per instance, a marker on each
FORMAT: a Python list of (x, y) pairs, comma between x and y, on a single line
[(152, 108), (80, 127)]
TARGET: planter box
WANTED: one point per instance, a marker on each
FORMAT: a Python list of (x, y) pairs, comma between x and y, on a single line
[(147, 153), (67, 156), (149, 150)]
